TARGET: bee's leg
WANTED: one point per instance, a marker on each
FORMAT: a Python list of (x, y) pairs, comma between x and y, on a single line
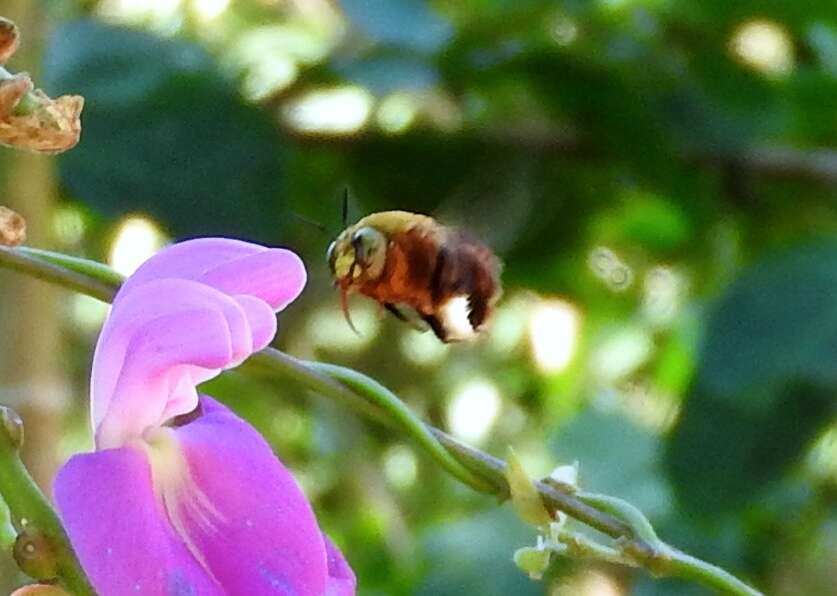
[(436, 326), (397, 313)]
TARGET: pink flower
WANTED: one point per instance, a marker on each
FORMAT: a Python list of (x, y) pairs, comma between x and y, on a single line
[(182, 497)]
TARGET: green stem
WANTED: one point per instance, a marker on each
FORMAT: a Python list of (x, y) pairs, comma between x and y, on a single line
[(691, 568), (85, 267), (578, 546), (373, 400), (7, 530), (479, 470), (398, 411), (30, 508), (632, 516), (63, 274)]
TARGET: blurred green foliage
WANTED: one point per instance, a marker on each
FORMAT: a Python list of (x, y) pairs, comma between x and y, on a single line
[(661, 167), (182, 130)]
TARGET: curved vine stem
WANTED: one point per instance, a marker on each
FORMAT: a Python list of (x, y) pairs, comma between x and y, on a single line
[(484, 473)]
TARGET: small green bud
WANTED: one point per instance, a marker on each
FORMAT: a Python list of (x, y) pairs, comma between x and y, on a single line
[(532, 560), (11, 427), (524, 496), (35, 555)]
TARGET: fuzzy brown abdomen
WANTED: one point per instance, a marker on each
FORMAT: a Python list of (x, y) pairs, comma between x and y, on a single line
[(468, 268), (425, 273)]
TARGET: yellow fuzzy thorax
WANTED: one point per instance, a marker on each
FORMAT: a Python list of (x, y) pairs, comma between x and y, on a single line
[(388, 223)]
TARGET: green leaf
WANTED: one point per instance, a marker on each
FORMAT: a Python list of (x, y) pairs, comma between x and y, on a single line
[(164, 133), (777, 322), (721, 457), (766, 381)]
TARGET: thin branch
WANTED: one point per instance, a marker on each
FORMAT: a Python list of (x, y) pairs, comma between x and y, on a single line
[(32, 263), (816, 164), (481, 471)]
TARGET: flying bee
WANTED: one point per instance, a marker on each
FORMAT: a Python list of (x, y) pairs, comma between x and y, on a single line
[(407, 261)]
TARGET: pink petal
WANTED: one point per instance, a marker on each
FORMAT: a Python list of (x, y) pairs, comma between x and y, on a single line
[(119, 531), (239, 523), (157, 378), (260, 536), (261, 318), (274, 275), (341, 578), (160, 341), (277, 276), (191, 259)]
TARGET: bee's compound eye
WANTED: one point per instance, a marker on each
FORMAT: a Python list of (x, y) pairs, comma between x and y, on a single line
[(331, 255), (367, 243)]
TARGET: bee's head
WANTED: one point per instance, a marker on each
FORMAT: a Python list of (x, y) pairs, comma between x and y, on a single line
[(357, 252)]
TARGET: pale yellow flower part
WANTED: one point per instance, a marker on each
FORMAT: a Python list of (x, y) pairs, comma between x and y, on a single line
[(40, 590)]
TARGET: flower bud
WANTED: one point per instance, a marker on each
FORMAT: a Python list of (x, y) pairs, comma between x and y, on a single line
[(35, 555), (532, 560), (565, 477), (11, 427)]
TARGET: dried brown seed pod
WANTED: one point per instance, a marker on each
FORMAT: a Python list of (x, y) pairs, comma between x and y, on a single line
[(8, 39), (12, 227)]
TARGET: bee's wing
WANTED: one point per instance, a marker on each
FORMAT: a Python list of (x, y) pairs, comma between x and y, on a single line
[(491, 208)]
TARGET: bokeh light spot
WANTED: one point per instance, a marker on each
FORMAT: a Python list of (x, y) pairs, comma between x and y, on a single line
[(553, 333), (400, 466), (764, 46), (88, 313), (610, 268), (137, 239), (473, 409), (396, 113), (339, 111), (68, 225), (327, 328), (423, 349), (621, 353), (207, 10)]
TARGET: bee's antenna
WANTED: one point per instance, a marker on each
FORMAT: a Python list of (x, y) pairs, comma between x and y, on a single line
[(310, 222), (345, 206)]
